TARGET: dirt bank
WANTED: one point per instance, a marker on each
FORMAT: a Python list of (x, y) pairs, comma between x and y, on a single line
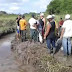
[(33, 57)]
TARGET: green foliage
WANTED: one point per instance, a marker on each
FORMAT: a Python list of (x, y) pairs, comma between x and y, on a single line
[(59, 7), (7, 23)]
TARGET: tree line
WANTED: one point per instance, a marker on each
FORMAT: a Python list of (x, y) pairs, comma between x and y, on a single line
[(59, 7)]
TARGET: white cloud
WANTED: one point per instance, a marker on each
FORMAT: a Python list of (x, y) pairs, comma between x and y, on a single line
[(9, 11), (23, 6), (14, 8), (33, 11), (42, 4), (25, 0), (14, 3), (4, 4)]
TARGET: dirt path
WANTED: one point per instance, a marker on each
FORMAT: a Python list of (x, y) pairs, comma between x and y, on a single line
[(34, 57)]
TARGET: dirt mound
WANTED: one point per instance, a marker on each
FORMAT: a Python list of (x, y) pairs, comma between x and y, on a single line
[(33, 57)]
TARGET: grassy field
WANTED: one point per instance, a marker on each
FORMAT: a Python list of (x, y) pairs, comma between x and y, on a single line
[(7, 23)]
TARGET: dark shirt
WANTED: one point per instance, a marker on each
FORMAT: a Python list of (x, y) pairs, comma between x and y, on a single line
[(41, 23), (18, 20), (51, 34)]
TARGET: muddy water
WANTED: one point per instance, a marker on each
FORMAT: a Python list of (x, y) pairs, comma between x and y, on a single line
[(7, 61)]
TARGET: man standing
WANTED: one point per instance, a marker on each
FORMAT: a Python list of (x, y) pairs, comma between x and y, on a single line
[(23, 25), (61, 22), (50, 34), (42, 22), (60, 26), (66, 35), (33, 28), (56, 26), (18, 27)]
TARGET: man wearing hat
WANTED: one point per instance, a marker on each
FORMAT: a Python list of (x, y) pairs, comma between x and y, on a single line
[(42, 22), (18, 27), (66, 35), (50, 34)]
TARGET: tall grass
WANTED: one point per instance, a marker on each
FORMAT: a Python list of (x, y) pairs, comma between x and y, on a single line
[(8, 22)]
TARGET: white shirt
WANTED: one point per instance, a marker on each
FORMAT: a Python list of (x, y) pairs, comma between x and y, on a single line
[(67, 25), (32, 21)]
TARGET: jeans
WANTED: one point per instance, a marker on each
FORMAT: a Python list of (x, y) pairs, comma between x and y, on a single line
[(33, 33), (50, 42), (66, 42), (23, 35)]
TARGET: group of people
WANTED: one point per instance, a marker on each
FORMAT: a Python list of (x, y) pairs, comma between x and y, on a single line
[(47, 29)]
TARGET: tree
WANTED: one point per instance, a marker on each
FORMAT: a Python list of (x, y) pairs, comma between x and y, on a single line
[(59, 6), (3, 12)]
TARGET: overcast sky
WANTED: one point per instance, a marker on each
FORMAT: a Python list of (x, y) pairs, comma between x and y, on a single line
[(23, 6)]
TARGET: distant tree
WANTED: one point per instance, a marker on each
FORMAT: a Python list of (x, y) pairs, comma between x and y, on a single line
[(3, 12), (59, 6)]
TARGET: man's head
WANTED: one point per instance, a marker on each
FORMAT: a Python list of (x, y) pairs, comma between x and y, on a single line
[(41, 15), (23, 16), (61, 18), (19, 16), (67, 16), (33, 16), (49, 18)]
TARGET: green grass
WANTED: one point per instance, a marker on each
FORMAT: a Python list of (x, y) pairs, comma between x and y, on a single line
[(8, 22)]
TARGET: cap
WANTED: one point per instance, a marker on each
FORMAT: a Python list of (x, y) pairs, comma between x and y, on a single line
[(53, 15), (42, 14), (33, 15), (67, 16), (49, 16)]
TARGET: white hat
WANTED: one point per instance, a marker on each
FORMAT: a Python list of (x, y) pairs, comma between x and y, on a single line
[(42, 14), (49, 16), (67, 16), (53, 15)]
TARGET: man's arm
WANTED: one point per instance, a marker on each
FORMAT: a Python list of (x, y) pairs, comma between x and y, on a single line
[(44, 23), (56, 24), (47, 31), (62, 33), (35, 25), (16, 20), (19, 25)]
